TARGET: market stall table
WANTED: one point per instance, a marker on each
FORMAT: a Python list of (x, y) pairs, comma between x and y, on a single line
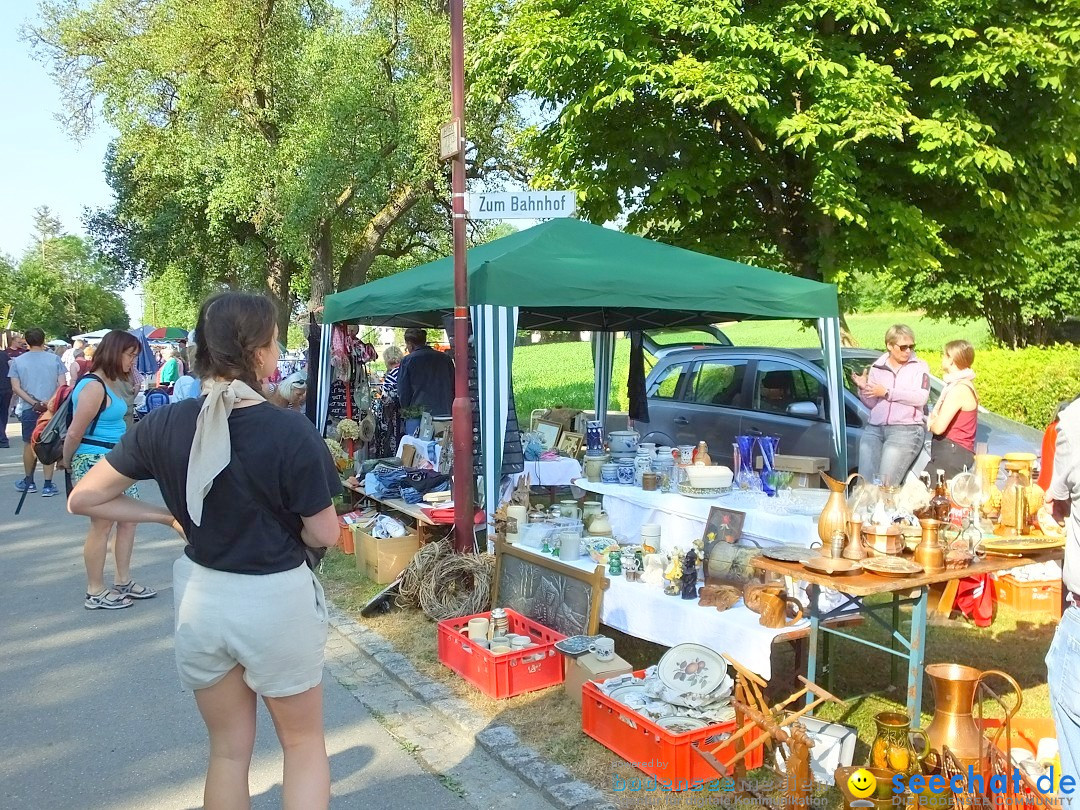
[(410, 510), (559, 472), (867, 584), (645, 611), (682, 519)]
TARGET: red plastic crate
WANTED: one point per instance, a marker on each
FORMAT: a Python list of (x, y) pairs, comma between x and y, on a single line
[(508, 674), (1030, 598), (670, 758)]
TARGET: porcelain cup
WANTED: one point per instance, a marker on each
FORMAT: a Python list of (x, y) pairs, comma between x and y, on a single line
[(603, 649)]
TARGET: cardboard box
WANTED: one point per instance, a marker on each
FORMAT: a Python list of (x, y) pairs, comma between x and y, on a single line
[(589, 668), (382, 560)]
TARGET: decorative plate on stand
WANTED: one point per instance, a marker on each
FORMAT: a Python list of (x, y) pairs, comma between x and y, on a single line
[(692, 668)]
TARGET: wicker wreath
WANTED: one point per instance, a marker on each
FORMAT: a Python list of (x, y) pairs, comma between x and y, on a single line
[(458, 585)]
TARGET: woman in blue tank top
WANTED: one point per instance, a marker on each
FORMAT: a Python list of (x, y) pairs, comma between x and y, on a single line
[(98, 420)]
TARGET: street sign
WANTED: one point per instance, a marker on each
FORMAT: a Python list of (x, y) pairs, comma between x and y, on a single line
[(449, 140), (521, 204)]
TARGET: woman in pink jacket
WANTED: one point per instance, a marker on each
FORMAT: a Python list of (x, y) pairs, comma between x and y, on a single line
[(895, 389)]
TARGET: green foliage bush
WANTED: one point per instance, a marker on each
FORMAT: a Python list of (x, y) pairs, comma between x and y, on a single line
[(1027, 384)]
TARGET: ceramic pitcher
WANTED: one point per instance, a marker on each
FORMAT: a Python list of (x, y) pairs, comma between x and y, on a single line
[(892, 747), (770, 602)]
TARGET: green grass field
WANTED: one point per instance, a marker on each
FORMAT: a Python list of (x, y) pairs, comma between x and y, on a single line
[(561, 374)]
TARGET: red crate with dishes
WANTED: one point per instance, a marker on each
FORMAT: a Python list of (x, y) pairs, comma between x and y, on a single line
[(667, 756), (1030, 598), (503, 675)]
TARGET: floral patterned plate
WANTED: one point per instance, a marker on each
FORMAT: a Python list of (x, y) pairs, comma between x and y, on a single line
[(681, 725), (692, 668)]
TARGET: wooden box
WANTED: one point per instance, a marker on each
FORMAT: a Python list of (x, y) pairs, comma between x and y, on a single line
[(590, 668)]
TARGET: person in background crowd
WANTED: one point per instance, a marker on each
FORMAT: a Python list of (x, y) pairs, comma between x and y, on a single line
[(895, 389), (169, 372), (251, 616), (956, 415), (5, 397), (290, 393), (1049, 444), (1063, 657), (425, 379), (386, 409), (68, 357), (187, 386), (392, 357), (92, 433), (16, 345), (35, 376)]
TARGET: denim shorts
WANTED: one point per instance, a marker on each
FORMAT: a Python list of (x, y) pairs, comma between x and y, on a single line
[(28, 419)]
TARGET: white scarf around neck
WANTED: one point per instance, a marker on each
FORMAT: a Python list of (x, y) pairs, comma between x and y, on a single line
[(211, 448)]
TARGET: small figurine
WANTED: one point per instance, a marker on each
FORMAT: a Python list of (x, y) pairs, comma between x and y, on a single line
[(614, 563), (674, 574), (631, 566), (688, 581)]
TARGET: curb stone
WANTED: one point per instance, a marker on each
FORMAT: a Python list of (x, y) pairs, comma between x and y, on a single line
[(553, 781)]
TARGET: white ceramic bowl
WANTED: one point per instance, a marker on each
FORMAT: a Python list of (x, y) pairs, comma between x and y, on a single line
[(709, 477)]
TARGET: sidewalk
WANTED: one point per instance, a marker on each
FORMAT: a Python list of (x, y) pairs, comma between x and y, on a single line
[(93, 716)]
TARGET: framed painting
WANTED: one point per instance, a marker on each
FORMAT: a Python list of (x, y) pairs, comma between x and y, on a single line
[(570, 443), (550, 431)]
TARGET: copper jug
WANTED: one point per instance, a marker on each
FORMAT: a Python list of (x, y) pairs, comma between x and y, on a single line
[(929, 553), (954, 688), (834, 516)]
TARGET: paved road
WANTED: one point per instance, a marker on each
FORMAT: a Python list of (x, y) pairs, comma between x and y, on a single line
[(91, 712)]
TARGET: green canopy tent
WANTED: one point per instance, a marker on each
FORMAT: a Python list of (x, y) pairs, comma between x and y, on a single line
[(566, 274)]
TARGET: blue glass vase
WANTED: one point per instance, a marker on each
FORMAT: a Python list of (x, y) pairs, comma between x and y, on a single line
[(744, 462), (767, 445)]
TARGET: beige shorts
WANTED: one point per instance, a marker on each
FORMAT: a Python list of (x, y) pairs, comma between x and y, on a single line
[(273, 625)]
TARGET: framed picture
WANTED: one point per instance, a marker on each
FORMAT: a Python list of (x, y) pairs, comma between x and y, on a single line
[(550, 431), (723, 525), (570, 443)]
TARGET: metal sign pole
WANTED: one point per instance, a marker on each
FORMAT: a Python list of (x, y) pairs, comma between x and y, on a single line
[(464, 507)]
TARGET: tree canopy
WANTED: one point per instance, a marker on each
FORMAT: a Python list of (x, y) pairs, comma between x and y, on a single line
[(933, 140), (287, 142), (61, 284)]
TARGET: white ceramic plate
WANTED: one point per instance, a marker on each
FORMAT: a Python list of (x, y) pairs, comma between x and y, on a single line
[(681, 725), (692, 668), (834, 747), (631, 691)]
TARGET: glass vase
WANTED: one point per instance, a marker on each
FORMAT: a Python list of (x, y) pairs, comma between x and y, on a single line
[(767, 445)]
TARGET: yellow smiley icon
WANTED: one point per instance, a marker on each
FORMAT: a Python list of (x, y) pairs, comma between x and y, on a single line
[(862, 783)]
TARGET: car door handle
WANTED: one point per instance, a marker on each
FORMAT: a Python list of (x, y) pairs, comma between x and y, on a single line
[(681, 420), (755, 432)]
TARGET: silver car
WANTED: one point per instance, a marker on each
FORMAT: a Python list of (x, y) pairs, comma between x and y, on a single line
[(714, 392)]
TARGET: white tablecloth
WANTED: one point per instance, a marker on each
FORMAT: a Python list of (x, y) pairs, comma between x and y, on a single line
[(645, 611), (558, 472), (682, 519)]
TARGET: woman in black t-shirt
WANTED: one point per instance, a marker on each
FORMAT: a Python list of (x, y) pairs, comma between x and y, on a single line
[(249, 486)]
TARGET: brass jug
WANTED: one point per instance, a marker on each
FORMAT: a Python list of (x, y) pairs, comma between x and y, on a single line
[(929, 553), (834, 516), (954, 687)]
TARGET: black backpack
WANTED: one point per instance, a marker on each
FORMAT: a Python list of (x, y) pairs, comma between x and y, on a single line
[(52, 428)]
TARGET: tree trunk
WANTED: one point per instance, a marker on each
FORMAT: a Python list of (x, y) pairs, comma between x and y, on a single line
[(278, 280), (355, 268), (322, 266)]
